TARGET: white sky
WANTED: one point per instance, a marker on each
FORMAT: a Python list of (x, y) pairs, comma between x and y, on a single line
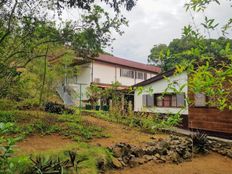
[(153, 22)]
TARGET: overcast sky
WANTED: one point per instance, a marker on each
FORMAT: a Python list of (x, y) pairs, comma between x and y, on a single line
[(159, 21), (153, 22)]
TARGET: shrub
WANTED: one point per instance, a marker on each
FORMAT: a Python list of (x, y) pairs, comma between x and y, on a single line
[(6, 148), (200, 142), (54, 108), (28, 104), (58, 108), (6, 104), (7, 116)]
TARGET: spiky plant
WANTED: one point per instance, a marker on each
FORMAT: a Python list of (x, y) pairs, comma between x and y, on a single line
[(200, 142)]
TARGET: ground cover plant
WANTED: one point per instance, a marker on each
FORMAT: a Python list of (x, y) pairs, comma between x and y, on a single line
[(144, 121), (80, 158), (27, 123)]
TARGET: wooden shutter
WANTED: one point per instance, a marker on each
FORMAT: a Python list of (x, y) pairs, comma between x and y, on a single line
[(144, 100), (180, 98), (150, 100), (174, 101)]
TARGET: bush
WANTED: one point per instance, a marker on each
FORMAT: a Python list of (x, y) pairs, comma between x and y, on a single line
[(7, 116), (6, 104), (54, 108), (28, 104), (200, 142), (57, 108)]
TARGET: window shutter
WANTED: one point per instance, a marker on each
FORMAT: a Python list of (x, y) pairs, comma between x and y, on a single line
[(145, 76), (150, 100), (180, 100), (174, 103), (144, 100), (200, 100)]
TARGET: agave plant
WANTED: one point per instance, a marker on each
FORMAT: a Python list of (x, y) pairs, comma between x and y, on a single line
[(49, 165), (43, 165), (200, 142)]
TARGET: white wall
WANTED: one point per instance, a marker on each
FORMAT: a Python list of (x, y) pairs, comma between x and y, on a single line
[(159, 87), (108, 73), (104, 72)]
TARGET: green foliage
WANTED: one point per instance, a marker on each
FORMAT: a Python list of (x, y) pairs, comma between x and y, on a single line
[(6, 104), (200, 142), (31, 42), (57, 108), (6, 148), (145, 121), (81, 158), (187, 49), (93, 92)]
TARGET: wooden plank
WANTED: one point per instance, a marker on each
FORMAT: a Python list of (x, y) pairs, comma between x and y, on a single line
[(210, 119)]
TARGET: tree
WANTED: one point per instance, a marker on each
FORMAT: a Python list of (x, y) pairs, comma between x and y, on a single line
[(185, 50), (26, 32)]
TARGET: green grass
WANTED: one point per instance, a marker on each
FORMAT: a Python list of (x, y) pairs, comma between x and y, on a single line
[(39, 122), (89, 158), (144, 124)]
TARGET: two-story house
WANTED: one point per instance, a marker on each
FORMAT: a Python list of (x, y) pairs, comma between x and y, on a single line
[(103, 71)]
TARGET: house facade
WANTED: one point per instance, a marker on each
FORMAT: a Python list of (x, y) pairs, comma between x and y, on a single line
[(103, 71), (169, 96)]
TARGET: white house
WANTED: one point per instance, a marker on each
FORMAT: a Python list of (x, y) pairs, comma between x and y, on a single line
[(154, 99), (103, 71), (168, 96)]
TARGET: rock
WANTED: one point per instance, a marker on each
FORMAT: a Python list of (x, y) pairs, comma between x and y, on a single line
[(138, 152), (125, 159), (133, 162), (101, 164), (187, 155), (157, 156), (117, 151), (229, 154), (163, 144), (148, 158), (175, 157), (116, 163), (163, 158), (150, 151)]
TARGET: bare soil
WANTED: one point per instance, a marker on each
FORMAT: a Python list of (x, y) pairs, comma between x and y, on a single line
[(209, 164), (120, 133), (37, 143)]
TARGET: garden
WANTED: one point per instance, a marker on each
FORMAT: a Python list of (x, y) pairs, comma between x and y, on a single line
[(63, 140)]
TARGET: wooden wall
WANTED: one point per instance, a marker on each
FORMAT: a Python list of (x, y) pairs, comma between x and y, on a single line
[(210, 119)]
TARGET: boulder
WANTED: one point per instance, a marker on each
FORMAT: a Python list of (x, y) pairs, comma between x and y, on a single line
[(116, 163)]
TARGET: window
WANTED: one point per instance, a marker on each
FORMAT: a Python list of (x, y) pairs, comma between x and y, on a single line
[(180, 100), (174, 101), (127, 73), (145, 76), (148, 100), (169, 100), (159, 101), (200, 100), (140, 75)]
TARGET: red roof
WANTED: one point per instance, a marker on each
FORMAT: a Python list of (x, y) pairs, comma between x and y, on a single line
[(128, 63)]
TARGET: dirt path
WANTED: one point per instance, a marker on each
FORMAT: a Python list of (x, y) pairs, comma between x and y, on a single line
[(209, 164), (35, 144), (120, 133)]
